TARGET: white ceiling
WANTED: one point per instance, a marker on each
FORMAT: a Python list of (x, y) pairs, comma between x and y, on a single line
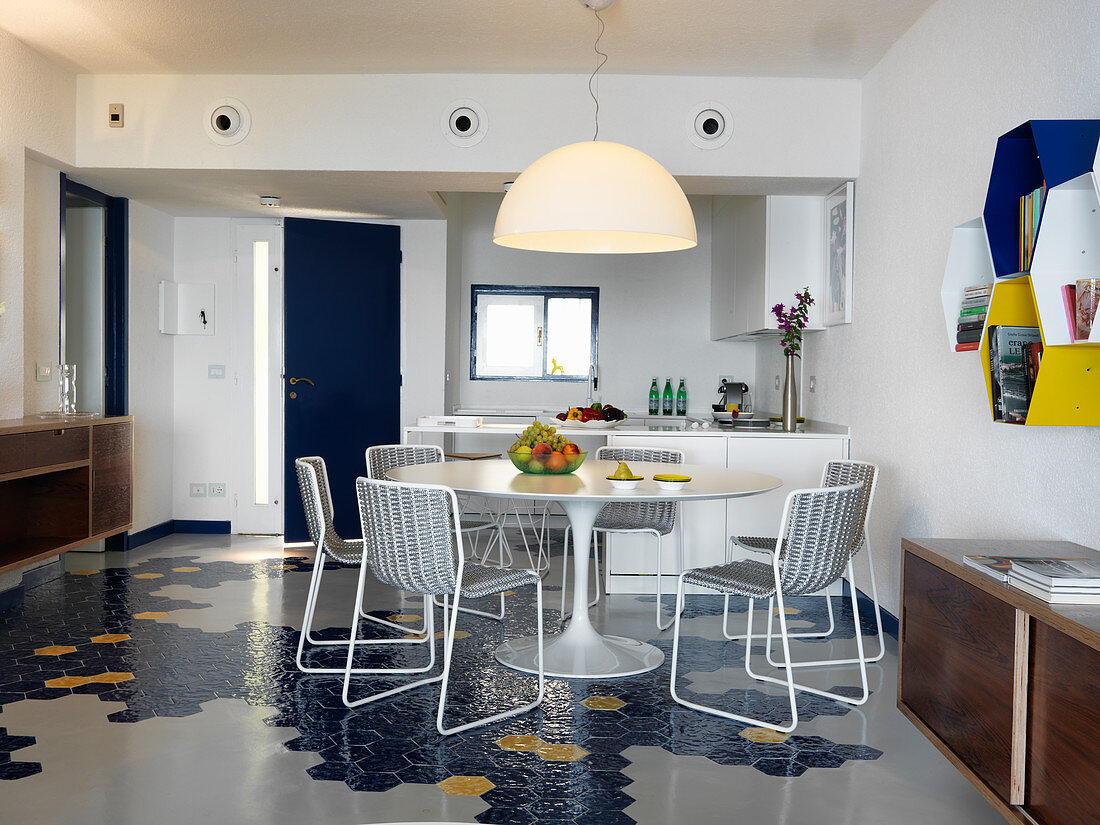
[(781, 38), (792, 38)]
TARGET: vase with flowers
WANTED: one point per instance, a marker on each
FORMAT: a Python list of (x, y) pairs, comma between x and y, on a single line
[(791, 323)]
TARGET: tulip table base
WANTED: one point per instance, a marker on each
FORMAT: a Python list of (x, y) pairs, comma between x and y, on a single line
[(580, 652)]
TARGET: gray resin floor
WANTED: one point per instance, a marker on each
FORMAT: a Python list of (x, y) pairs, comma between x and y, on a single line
[(159, 686)]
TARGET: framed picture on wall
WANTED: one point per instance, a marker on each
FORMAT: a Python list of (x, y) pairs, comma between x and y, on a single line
[(838, 256)]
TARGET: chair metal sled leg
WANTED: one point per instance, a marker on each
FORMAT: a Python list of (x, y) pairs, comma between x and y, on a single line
[(448, 646)]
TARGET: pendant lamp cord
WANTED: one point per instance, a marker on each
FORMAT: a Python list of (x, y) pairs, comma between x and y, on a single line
[(600, 60)]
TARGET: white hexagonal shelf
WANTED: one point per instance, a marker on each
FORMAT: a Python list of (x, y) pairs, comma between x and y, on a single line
[(969, 263)]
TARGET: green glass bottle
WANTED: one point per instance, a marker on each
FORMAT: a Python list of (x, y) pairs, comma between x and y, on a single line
[(654, 398), (667, 398), (682, 399)]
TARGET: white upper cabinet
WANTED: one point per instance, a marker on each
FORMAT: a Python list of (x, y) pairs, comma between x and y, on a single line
[(764, 249)]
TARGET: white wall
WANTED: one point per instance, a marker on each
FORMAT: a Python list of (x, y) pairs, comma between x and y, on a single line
[(151, 368), (37, 99), (789, 127), (654, 317), (41, 288), (967, 71)]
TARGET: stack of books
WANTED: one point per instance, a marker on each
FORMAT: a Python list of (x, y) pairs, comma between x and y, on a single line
[(1031, 208), (972, 316), (1013, 369), (1058, 581)]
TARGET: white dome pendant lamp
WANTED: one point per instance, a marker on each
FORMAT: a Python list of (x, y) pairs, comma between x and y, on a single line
[(595, 197)]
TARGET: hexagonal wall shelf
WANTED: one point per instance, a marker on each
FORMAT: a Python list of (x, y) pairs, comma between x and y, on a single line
[(968, 264)]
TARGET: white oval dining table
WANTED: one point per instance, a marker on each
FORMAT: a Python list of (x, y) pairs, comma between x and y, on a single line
[(580, 652)]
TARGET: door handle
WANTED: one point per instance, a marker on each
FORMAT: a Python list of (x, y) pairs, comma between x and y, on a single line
[(294, 381)]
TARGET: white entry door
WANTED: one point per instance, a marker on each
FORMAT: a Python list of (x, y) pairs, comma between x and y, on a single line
[(257, 380)]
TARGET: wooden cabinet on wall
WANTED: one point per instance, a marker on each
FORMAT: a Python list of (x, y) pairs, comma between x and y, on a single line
[(1004, 684), (763, 251), (63, 484)]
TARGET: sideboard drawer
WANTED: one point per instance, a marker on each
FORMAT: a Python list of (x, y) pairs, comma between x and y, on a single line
[(12, 458), (60, 446)]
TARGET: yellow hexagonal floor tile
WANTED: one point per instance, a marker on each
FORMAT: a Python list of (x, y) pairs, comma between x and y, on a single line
[(603, 703), (465, 785), (561, 752), (67, 681), (764, 735), (526, 744), (83, 572), (404, 618), (54, 650), (150, 614), (790, 611), (186, 569), (111, 678), (110, 638), (149, 576)]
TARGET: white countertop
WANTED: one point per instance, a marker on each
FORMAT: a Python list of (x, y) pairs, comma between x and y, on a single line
[(813, 429)]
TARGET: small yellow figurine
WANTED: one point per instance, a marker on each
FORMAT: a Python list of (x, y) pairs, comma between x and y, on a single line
[(557, 367)]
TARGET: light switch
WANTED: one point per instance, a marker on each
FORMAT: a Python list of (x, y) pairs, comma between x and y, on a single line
[(114, 115), (215, 371), (43, 372), (198, 490)]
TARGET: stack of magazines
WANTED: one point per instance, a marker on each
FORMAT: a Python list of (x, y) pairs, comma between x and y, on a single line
[(1058, 581), (1054, 580)]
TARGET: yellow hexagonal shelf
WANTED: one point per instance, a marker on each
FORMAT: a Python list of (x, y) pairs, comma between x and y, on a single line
[(603, 703), (527, 744), (561, 752), (110, 638), (54, 650), (465, 785)]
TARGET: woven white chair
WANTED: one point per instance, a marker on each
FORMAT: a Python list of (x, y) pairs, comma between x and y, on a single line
[(317, 503), (410, 542), (835, 474), (385, 457), (820, 531), (657, 518)]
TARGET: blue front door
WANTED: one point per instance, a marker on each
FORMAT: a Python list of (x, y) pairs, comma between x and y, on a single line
[(342, 350)]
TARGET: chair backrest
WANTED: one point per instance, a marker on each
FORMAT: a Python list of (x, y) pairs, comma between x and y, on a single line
[(408, 534), (838, 473), (386, 457), (822, 527), (316, 496), (656, 515)]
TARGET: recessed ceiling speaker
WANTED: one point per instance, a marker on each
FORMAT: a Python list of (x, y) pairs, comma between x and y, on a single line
[(710, 125), (227, 121), (464, 123)]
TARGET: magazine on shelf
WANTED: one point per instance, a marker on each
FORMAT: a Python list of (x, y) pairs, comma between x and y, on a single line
[(1055, 597), (998, 567), (1058, 572)]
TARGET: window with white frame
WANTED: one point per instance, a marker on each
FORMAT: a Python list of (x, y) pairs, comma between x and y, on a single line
[(533, 333)]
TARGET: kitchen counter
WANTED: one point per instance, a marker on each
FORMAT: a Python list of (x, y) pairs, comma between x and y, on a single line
[(812, 429)]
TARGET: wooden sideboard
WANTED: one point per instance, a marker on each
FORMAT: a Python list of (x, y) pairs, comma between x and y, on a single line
[(1004, 684), (63, 484)]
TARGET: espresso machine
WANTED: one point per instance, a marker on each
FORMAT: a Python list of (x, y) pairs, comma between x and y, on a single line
[(734, 402)]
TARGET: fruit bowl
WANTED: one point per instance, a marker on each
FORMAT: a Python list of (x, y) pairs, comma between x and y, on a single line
[(548, 464)]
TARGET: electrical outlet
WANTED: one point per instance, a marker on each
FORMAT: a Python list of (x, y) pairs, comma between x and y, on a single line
[(215, 371), (216, 489), (813, 383), (777, 382), (198, 490), (43, 372)]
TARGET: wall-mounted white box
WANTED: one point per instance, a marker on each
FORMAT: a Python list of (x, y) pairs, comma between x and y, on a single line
[(186, 309)]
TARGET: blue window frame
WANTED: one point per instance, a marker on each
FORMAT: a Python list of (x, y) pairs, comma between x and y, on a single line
[(533, 333)]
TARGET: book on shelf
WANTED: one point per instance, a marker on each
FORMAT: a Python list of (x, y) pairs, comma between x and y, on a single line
[(1069, 298), (982, 301), (1030, 211), (1032, 355), (1057, 597), (971, 325), (1056, 573), (970, 347), (998, 567), (975, 290), (968, 311), (1006, 368), (968, 336), (972, 319)]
